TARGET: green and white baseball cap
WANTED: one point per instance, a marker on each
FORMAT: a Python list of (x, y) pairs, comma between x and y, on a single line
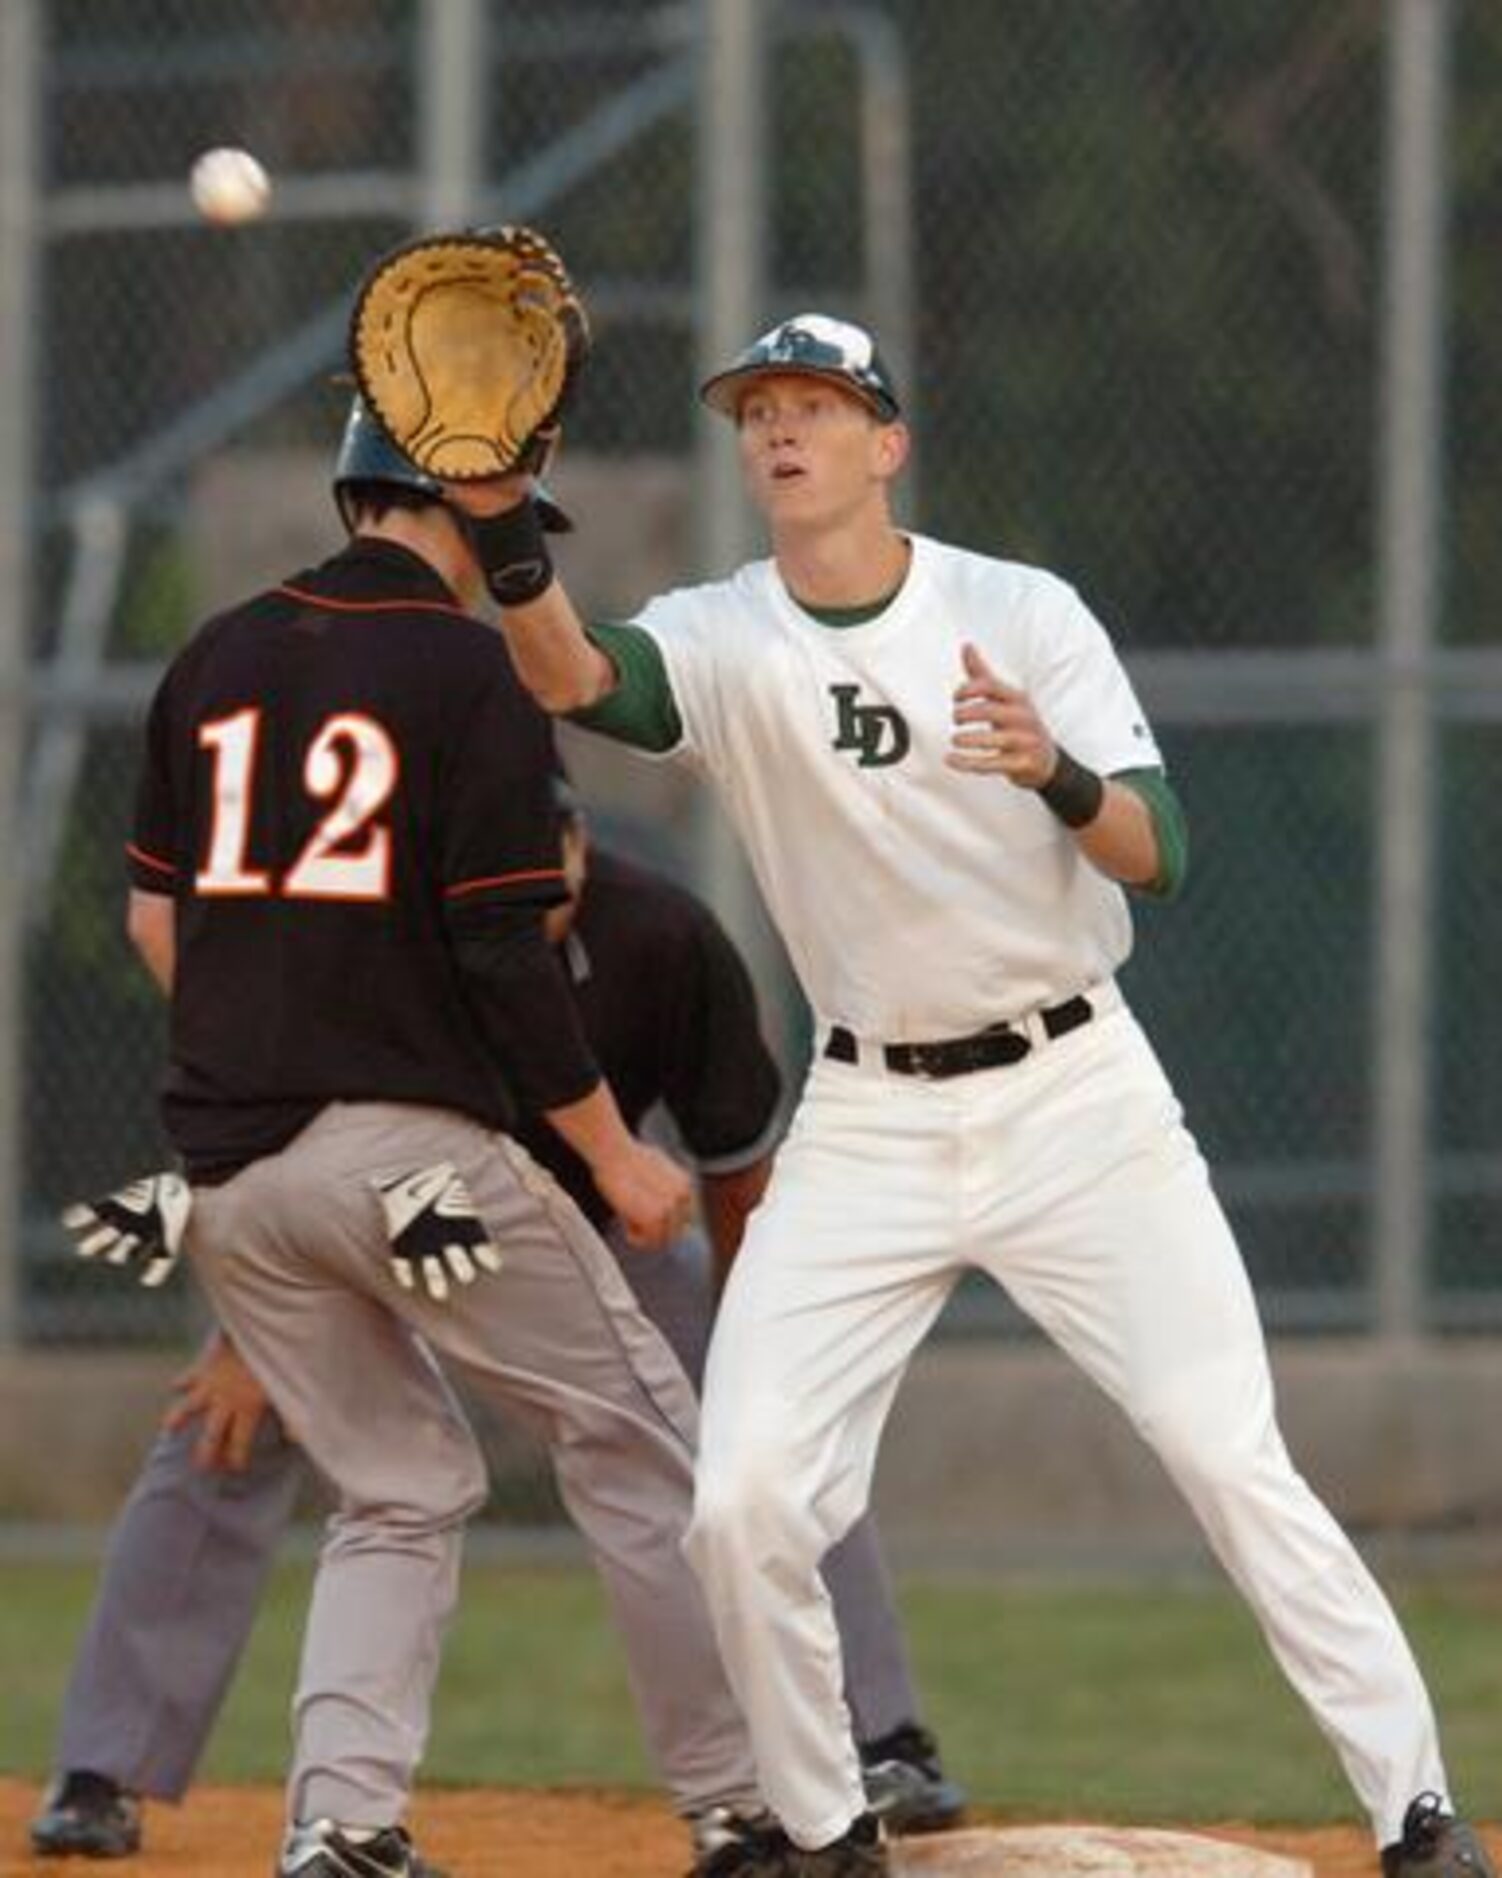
[(810, 345)]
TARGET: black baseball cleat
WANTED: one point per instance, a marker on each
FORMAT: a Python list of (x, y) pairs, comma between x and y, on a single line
[(87, 1815), (906, 1786), (1435, 1844), (859, 1853), (324, 1850), (732, 1843)]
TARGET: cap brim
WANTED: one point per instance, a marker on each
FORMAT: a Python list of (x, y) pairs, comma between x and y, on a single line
[(724, 391)]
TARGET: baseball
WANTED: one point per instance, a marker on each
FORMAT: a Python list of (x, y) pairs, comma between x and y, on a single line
[(229, 186)]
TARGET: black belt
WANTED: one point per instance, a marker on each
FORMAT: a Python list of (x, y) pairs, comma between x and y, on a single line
[(991, 1048)]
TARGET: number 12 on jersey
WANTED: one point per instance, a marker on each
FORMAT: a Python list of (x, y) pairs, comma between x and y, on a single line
[(350, 764)]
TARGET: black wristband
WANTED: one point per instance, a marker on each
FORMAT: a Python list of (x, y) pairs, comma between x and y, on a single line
[(1073, 792), (513, 551)]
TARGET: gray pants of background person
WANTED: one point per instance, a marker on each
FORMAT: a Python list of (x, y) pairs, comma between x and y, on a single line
[(189, 1556), (294, 1260)]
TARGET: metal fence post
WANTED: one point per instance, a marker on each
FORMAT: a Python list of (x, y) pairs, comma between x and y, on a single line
[(886, 133), (20, 87), (732, 250), (1408, 505), (731, 247), (454, 71)]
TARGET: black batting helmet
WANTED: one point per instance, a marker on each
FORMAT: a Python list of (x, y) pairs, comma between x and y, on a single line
[(367, 455)]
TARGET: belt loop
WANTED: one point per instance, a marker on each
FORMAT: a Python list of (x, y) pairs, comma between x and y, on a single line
[(1033, 1028)]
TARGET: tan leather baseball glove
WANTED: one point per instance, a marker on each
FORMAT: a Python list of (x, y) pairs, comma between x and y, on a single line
[(465, 347)]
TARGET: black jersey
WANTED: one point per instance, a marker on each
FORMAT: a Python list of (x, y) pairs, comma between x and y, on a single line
[(670, 1013), (338, 775)]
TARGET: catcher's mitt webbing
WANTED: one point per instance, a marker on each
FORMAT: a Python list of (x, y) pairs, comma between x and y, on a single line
[(465, 346)]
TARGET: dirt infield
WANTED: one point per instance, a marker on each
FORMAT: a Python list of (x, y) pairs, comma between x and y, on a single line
[(231, 1832)]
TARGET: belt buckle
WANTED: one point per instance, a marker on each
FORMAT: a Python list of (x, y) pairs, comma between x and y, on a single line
[(959, 1056), (932, 1061), (998, 1046)]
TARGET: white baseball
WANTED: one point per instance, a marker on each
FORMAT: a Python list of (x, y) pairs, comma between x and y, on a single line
[(229, 186)]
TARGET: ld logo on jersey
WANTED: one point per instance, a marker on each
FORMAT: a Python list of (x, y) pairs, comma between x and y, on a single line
[(878, 733)]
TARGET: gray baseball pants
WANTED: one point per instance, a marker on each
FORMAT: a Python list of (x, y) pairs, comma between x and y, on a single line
[(293, 1256), (190, 1554)]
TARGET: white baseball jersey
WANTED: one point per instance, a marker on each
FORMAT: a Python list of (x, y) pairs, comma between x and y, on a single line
[(920, 902), (916, 901)]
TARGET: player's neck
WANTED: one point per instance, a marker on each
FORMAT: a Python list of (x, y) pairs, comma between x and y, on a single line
[(431, 535), (851, 568)]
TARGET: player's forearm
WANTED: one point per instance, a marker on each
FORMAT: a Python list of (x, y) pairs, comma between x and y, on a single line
[(1122, 840), (1129, 825), (553, 656), (544, 635), (594, 1128)]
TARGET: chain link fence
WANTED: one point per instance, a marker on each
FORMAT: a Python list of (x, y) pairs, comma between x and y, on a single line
[(1135, 262)]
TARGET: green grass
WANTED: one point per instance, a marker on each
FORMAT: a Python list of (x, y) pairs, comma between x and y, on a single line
[(1139, 1702)]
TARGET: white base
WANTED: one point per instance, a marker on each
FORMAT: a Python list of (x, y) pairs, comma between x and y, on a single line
[(1085, 1852)]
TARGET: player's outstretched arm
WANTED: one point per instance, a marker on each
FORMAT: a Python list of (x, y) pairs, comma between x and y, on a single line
[(554, 657)]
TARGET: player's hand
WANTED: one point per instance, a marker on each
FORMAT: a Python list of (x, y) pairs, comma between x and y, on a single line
[(435, 1231), (998, 731), (140, 1225), (220, 1391), (649, 1193)]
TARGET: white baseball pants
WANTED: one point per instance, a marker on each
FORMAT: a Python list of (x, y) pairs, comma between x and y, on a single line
[(1071, 1179)]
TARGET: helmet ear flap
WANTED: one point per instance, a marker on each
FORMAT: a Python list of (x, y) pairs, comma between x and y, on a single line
[(367, 455)]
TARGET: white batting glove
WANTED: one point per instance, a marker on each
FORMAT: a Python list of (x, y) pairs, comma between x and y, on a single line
[(435, 1232), (141, 1224)]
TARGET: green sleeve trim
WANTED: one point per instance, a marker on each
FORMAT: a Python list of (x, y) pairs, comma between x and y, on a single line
[(1170, 826), (640, 710)]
